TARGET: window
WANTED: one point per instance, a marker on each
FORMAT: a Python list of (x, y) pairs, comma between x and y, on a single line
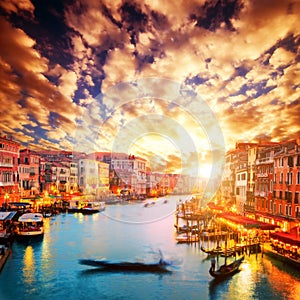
[(296, 198), (298, 177), (290, 161), (280, 208), (271, 185), (297, 210), (274, 208), (289, 179)]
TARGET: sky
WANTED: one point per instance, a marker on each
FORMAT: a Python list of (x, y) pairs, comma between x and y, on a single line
[(177, 82)]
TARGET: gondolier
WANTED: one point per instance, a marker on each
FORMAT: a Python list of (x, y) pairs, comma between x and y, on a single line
[(213, 263)]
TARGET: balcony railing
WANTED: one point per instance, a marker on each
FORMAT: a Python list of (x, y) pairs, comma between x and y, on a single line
[(6, 183), (266, 160), (4, 164), (262, 174), (260, 194)]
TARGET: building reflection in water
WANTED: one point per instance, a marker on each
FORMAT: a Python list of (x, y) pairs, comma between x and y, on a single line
[(29, 265), (282, 281)]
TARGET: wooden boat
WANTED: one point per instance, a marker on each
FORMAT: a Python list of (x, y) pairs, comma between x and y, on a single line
[(185, 238), (185, 228), (149, 204), (30, 225), (214, 251), (226, 270), (126, 266)]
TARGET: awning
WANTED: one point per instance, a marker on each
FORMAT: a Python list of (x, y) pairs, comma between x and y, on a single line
[(289, 238), (276, 218), (247, 222)]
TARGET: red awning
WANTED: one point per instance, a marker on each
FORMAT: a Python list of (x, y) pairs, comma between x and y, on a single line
[(276, 218), (290, 238), (247, 222)]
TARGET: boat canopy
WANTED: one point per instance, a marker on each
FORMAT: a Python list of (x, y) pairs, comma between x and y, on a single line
[(7, 215), (31, 217)]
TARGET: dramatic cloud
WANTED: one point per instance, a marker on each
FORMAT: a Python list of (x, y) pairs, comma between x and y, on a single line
[(60, 63)]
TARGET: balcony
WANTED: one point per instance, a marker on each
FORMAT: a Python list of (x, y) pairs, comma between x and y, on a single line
[(266, 160), (4, 164), (260, 194), (260, 175), (7, 183)]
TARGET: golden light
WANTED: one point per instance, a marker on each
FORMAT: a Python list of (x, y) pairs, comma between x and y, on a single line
[(29, 268)]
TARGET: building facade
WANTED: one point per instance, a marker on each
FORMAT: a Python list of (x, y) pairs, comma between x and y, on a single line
[(9, 178), (29, 174)]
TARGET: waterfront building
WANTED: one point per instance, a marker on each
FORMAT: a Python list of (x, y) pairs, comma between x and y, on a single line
[(103, 187), (159, 184), (286, 188), (257, 161), (127, 173), (151, 184), (138, 183), (73, 180), (93, 177), (249, 207), (9, 154), (60, 178), (29, 174), (45, 176), (241, 174), (227, 193), (264, 181)]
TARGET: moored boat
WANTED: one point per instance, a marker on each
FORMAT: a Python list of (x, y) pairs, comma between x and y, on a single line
[(92, 207), (187, 238), (30, 225), (213, 251)]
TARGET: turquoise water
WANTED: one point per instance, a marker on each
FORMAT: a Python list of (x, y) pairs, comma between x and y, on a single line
[(49, 269)]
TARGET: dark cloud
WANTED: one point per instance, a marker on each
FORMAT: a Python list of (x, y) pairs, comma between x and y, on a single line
[(216, 13), (133, 19)]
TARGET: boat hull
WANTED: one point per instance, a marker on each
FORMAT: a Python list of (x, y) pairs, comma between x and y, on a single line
[(226, 270), (125, 266)]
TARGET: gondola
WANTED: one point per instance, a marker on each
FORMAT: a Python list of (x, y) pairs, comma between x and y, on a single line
[(215, 251), (124, 266), (226, 270)]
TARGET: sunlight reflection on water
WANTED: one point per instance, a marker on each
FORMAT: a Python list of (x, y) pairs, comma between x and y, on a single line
[(50, 269)]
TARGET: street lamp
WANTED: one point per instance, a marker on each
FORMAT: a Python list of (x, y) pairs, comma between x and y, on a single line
[(6, 197)]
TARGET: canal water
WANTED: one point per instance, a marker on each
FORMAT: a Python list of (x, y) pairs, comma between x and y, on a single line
[(49, 269)]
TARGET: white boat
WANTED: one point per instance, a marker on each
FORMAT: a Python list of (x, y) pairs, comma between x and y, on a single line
[(30, 225), (92, 207)]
